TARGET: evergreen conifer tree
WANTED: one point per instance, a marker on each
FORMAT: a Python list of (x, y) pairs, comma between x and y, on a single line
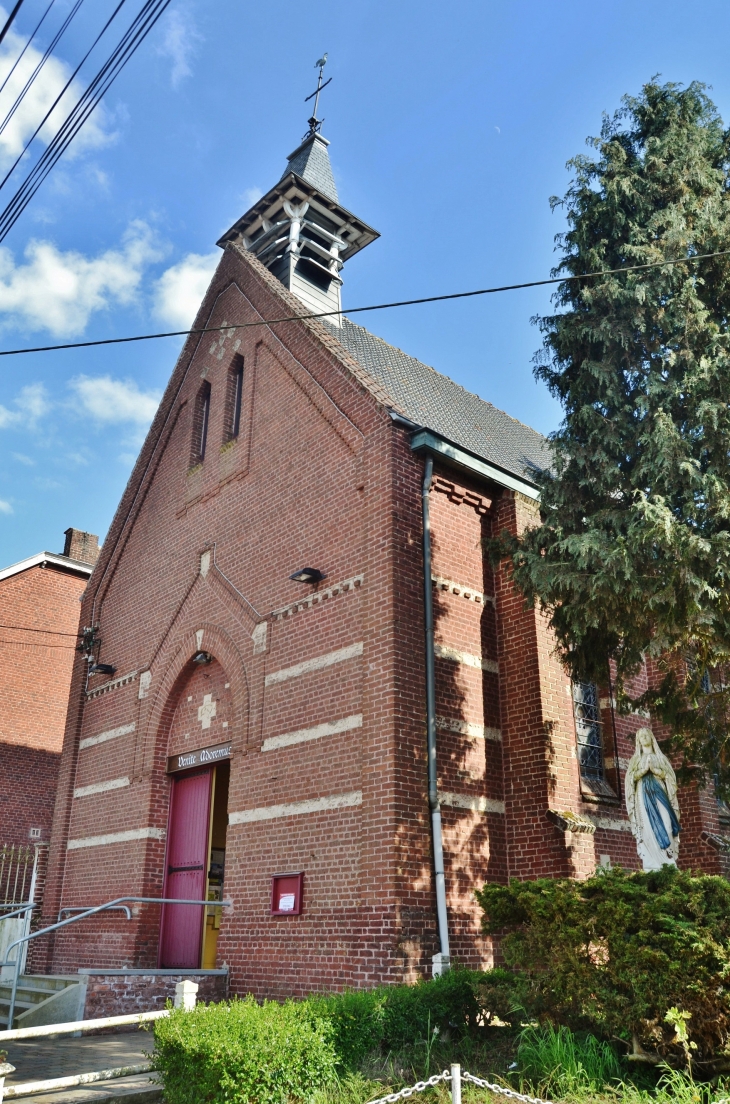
[(632, 559)]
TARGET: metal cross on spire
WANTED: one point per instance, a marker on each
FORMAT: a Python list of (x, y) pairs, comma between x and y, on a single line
[(315, 124)]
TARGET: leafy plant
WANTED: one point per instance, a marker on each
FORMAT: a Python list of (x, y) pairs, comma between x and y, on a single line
[(555, 1062), (615, 954), (243, 1053)]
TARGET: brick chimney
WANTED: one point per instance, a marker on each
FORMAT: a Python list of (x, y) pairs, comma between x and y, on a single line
[(81, 546)]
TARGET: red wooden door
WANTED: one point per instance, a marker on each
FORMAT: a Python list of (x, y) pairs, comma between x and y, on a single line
[(186, 875)]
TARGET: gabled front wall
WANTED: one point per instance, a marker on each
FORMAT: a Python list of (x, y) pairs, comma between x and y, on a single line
[(308, 482)]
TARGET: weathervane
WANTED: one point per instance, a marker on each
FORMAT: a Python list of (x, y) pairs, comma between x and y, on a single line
[(315, 124)]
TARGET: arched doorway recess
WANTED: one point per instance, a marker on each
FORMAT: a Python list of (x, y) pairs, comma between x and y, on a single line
[(198, 763)]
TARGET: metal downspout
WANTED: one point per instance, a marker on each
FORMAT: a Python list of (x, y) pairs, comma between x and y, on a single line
[(440, 961)]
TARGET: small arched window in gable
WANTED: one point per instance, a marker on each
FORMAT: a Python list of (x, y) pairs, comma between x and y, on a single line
[(234, 396), (201, 414)]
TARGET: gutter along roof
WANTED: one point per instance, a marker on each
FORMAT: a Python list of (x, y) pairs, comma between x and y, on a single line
[(43, 558)]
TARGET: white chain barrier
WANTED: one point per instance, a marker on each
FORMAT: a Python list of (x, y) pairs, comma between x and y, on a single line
[(418, 1087), (456, 1076), (500, 1090)]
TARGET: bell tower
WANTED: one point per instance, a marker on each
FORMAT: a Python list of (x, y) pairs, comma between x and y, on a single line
[(299, 229)]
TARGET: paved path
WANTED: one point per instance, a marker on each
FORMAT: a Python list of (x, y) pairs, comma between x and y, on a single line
[(40, 1059)]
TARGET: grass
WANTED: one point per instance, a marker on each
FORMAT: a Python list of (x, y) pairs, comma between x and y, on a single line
[(552, 1063)]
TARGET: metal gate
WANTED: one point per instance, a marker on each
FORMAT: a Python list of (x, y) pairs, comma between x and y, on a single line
[(18, 877)]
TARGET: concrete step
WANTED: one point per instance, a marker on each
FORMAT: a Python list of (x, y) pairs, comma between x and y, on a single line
[(41, 999)]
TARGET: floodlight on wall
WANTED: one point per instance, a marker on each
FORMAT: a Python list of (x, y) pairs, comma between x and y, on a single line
[(310, 575), (102, 669), (202, 657)]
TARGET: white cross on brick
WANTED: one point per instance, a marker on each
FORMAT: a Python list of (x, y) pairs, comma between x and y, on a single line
[(207, 710)]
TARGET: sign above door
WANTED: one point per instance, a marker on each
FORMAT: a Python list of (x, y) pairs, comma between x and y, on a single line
[(203, 757)]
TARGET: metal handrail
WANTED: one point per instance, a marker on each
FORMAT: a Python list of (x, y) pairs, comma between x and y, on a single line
[(82, 916), (17, 912), (84, 908)]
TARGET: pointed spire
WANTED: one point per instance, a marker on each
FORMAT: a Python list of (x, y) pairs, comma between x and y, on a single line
[(311, 162)]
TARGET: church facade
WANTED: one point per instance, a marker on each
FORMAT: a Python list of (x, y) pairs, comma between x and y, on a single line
[(321, 706)]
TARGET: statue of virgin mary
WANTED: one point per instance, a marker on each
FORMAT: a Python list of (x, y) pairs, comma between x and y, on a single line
[(651, 802)]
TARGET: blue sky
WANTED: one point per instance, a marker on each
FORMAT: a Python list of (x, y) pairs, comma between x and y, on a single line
[(450, 126)]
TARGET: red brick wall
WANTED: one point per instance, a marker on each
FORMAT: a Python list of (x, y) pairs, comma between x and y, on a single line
[(35, 674), (199, 558)]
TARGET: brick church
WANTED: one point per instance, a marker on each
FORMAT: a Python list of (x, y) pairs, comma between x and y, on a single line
[(313, 698)]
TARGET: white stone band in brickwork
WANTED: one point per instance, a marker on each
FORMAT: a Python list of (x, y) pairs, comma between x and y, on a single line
[(110, 734), (466, 658), (329, 728), (468, 728), (473, 804), (317, 597), (116, 837), (297, 808), (611, 824), (460, 589), (123, 680), (315, 664), (101, 787)]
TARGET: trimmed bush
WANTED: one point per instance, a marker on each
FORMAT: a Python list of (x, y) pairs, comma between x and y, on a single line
[(244, 1052), (396, 1016), (623, 954)]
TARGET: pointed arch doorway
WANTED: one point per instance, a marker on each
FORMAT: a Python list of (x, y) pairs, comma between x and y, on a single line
[(197, 821)]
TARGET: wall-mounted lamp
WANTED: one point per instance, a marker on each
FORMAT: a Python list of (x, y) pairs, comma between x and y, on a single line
[(308, 575), (102, 669), (202, 657)]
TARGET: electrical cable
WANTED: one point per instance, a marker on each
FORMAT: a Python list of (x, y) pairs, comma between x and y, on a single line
[(38, 644), (358, 310), (50, 632), (21, 55), (49, 50), (140, 27), (9, 21), (60, 95)]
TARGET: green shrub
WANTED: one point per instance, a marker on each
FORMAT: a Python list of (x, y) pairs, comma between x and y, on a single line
[(395, 1016), (555, 1062), (243, 1052), (357, 1019), (447, 1003), (615, 953)]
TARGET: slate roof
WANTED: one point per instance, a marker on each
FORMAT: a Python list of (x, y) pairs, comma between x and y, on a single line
[(311, 162), (435, 402)]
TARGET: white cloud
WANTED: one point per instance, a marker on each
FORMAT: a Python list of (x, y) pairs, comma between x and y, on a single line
[(38, 100), (249, 196), (114, 401), (5, 507), (59, 291), (181, 288), (32, 403), (180, 37)]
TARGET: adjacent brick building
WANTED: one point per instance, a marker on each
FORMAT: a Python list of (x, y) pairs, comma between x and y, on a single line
[(261, 598), (39, 624)]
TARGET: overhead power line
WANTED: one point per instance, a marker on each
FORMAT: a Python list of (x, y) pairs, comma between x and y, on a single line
[(359, 310), (28, 41), (133, 37), (44, 58), (9, 21)]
